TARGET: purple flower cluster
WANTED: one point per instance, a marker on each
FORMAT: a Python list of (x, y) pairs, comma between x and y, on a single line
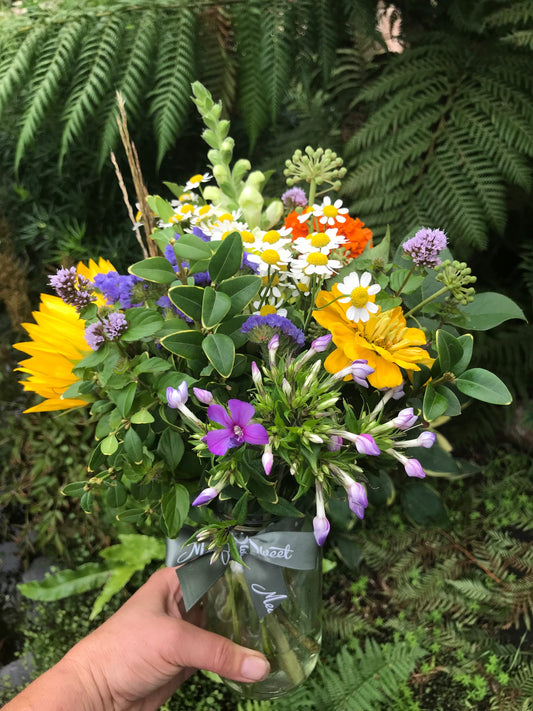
[(72, 288), (110, 328), (425, 246), (262, 328), (293, 198), (117, 288)]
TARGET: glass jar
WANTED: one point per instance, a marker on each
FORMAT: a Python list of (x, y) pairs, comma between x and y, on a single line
[(289, 635)]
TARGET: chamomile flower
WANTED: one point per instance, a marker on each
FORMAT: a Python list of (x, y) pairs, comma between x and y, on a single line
[(325, 241), (196, 180), (271, 257), (359, 293), (327, 213), (315, 262)]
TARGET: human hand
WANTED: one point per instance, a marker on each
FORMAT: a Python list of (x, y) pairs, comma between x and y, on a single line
[(137, 658)]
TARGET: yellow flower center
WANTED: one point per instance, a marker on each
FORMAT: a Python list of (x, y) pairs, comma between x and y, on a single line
[(184, 197), (204, 210), (225, 217), (301, 286), (329, 211), (270, 256), (317, 258), (320, 239), (247, 236), (359, 297), (271, 237), (187, 209), (266, 310), (273, 281), (196, 179)]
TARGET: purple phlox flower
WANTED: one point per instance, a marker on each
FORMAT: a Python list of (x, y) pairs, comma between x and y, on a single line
[(262, 328), (414, 468), (425, 246), (72, 288), (117, 288), (365, 444), (293, 198), (335, 443), (267, 459), (205, 496), (203, 396), (405, 419), (320, 344), (426, 439), (114, 325), (273, 344), (320, 522), (236, 427), (94, 335), (397, 392), (360, 372), (177, 397)]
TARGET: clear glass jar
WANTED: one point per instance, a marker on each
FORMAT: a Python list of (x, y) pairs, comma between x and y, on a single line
[(289, 636)]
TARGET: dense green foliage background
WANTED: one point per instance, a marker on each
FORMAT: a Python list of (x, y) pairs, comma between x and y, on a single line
[(438, 134)]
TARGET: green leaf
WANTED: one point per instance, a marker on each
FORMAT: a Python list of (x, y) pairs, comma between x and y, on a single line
[(467, 344), (449, 349), (156, 269), (142, 323), (160, 207), (118, 578), (215, 306), (220, 350), (116, 495), (435, 404), (483, 385), (186, 344), (153, 365), (281, 507), (188, 299), (398, 277), (123, 398), (226, 261), (109, 445), (241, 289), (489, 309), (131, 515), (380, 489), (454, 406), (241, 508), (423, 505), (175, 508), (232, 328), (435, 461), (349, 551), (171, 448), (133, 446), (142, 417), (86, 501), (75, 488), (66, 583), (191, 248)]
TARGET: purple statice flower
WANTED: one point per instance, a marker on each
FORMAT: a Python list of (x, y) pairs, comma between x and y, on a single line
[(164, 302), (424, 248), (197, 232), (293, 198), (114, 325), (262, 328), (117, 288), (94, 335), (253, 266), (202, 279), (236, 427), (170, 256), (72, 288)]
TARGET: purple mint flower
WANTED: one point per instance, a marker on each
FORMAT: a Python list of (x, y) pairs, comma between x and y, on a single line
[(114, 325), (425, 246), (405, 419), (176, 398), (205, 496), (204, 396), (365, 444), (360, 372), (72, 288), (320, 529), (235, 427), (262, 328), (426, 439), (320, 344), (293, 198), (414, 468), (94, 335)]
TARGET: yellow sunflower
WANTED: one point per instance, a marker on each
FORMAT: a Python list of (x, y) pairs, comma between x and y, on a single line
[(57, 344), (384, 341)]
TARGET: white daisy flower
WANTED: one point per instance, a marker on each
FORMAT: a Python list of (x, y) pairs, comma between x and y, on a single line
[(316, 262), (274, 257), (327, 213), (195, 180), (327, 240), (358, 293)]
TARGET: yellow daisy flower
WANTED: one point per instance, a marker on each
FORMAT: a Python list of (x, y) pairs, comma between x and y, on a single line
[(57, 344), (384, 341)]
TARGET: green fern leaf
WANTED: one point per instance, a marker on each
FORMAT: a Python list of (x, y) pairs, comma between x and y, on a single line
[(278, 52), (217, 64)]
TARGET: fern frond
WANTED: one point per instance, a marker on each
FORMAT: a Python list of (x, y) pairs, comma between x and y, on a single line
[(278, 53), (217, 64), (327, 19), (18, 64), (174, 73), (510, 18), (49, 74), (93, 79)]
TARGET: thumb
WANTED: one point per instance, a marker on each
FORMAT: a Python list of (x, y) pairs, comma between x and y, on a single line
[(205, 650)]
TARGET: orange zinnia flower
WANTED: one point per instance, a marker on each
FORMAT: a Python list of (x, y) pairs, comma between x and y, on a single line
[(355, 232)]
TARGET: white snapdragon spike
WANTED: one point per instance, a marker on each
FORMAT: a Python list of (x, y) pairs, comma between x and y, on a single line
[(327, 241), (195, 181), (358, 294), (327, 213)]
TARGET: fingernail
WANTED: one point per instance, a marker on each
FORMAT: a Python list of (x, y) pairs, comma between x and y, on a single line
[(255, 668)]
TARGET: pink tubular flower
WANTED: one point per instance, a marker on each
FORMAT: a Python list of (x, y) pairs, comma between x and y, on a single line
[(320, 344), (177, 397), (203, 396), (235, 427), (414, 468), (335, 443), (405, 419), (320, 529), (360, 372), (365, 444), (267, 460), (426, 439)]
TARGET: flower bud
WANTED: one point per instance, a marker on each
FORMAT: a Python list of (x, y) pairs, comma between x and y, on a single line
[(335, 443), (320, 344), (426, 439), (267, 460), (256, 375), (414, 468), (176, 398), (203, 396), (405, 419), (205, 496), (365, 444), (320, 529)]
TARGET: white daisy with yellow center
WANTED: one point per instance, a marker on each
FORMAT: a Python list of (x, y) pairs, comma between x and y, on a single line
[(359, 294), (270, 256), (327, 240), (328, 213), (316, 262), (196, 180)]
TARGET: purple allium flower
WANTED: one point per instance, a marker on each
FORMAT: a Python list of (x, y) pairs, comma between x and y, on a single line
[(117, 288), (94, 335), (426, 439), (360, 372), (320, 344), (203, 396), (414, 468), (72, 288), (293, 198), (425, 246), (114, 325), (405, 419), (320, 529), (205, 496), (262, 328), (365, 444), (235, 427), (177, 397)]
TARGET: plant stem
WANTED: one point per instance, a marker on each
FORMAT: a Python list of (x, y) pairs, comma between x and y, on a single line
[(416, 308)]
